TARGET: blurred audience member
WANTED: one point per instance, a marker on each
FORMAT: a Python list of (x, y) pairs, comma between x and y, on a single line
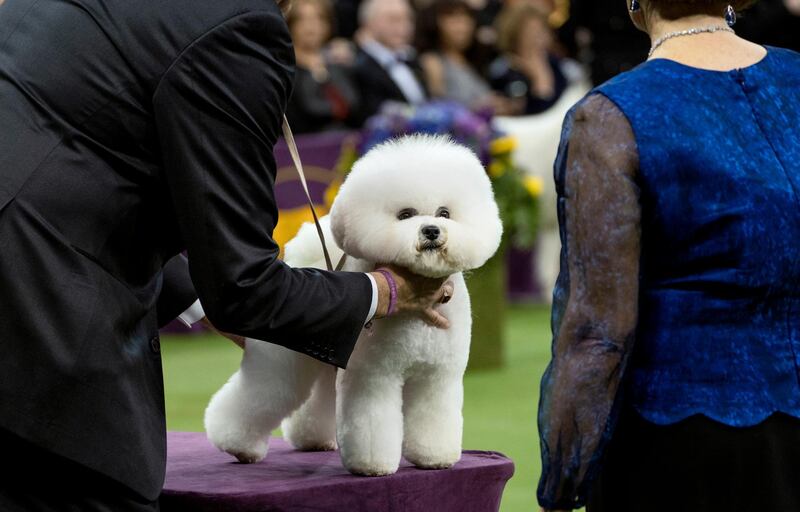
[(451, 57), (325, 96), (386, 67), (611, 42), (772, 22), (485, 11), (527, 73)]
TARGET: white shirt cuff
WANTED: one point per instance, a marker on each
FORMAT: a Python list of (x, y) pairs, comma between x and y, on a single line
[(192, 315), (373, 307)]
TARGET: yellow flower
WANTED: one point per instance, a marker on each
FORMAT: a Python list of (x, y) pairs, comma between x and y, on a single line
[(503, 145), (534, 185), (496, 169)]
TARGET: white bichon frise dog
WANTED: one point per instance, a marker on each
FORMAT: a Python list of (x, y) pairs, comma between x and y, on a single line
[(420, 202)]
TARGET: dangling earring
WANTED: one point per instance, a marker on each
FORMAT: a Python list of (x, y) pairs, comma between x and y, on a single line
[(730, 16), (635, 6)]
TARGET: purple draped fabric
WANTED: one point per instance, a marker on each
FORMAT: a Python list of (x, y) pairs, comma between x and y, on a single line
[(202, 479), (320, 153)]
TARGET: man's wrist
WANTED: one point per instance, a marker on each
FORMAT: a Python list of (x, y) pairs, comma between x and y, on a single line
[(384, 293)]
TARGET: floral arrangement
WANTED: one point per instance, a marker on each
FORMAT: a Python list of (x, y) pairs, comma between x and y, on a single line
[(516, 193)]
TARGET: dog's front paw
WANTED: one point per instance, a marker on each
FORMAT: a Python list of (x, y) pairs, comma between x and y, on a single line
[(363, 461), (433, 460), (367, 470), (435, 465)]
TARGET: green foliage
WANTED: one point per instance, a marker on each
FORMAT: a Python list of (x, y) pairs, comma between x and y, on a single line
[(518, 209)]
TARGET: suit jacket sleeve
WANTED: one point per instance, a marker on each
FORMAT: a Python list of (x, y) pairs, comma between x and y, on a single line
[(177, 292), (218, 112)]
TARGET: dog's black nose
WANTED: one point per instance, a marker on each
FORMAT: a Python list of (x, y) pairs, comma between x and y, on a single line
[(431, 232)]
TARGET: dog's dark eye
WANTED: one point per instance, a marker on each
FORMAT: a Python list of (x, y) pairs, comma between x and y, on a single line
[(407, 214), (443, 212)]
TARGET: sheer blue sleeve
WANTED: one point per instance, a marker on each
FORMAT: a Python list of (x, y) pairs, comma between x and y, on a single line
[(595, 302)]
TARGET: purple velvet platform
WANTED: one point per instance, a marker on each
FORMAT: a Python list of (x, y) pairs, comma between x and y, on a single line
[(202, 479)]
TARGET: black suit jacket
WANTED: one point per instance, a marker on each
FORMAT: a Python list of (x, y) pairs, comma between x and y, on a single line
[(377, 86), (132, 131)]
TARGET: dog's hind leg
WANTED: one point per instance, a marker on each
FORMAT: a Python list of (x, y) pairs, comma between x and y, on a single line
[(272, 382), (432, 418), (313, 426)]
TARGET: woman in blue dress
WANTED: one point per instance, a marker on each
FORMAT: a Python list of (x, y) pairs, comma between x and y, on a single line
[(675, 378)]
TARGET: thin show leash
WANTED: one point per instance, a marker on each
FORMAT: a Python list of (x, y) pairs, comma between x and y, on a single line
[(298, 165)]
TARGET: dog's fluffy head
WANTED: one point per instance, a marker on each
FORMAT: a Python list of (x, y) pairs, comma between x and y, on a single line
[(422, 202)]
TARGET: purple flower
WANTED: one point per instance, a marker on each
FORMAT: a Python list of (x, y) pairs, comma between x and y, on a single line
[(472, 129)]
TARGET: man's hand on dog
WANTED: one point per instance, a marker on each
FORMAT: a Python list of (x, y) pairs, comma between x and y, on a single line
[(415, 294)]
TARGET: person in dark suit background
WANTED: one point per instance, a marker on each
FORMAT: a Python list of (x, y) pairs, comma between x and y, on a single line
[(134, 131), (386, 66)]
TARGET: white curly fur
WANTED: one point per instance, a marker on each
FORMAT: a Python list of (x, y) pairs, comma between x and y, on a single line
[(402, 391)]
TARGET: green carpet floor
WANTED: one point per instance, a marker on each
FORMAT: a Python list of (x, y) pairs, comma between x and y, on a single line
[(499, 408)]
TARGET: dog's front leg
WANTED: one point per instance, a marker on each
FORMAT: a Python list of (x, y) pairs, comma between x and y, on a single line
[(369, 420), (433, 421)]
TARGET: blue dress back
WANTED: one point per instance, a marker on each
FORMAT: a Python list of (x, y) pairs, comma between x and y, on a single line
[(719, 307)]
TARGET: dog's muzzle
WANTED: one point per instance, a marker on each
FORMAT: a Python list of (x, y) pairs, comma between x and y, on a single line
[(431, 232), (431, 238)]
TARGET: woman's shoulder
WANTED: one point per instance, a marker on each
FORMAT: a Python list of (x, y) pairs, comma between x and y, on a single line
[(433, 62), (646, 88), (785, 58), (598, 133), (783, 53), (596, 110), (595, 117), (645, 72)]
